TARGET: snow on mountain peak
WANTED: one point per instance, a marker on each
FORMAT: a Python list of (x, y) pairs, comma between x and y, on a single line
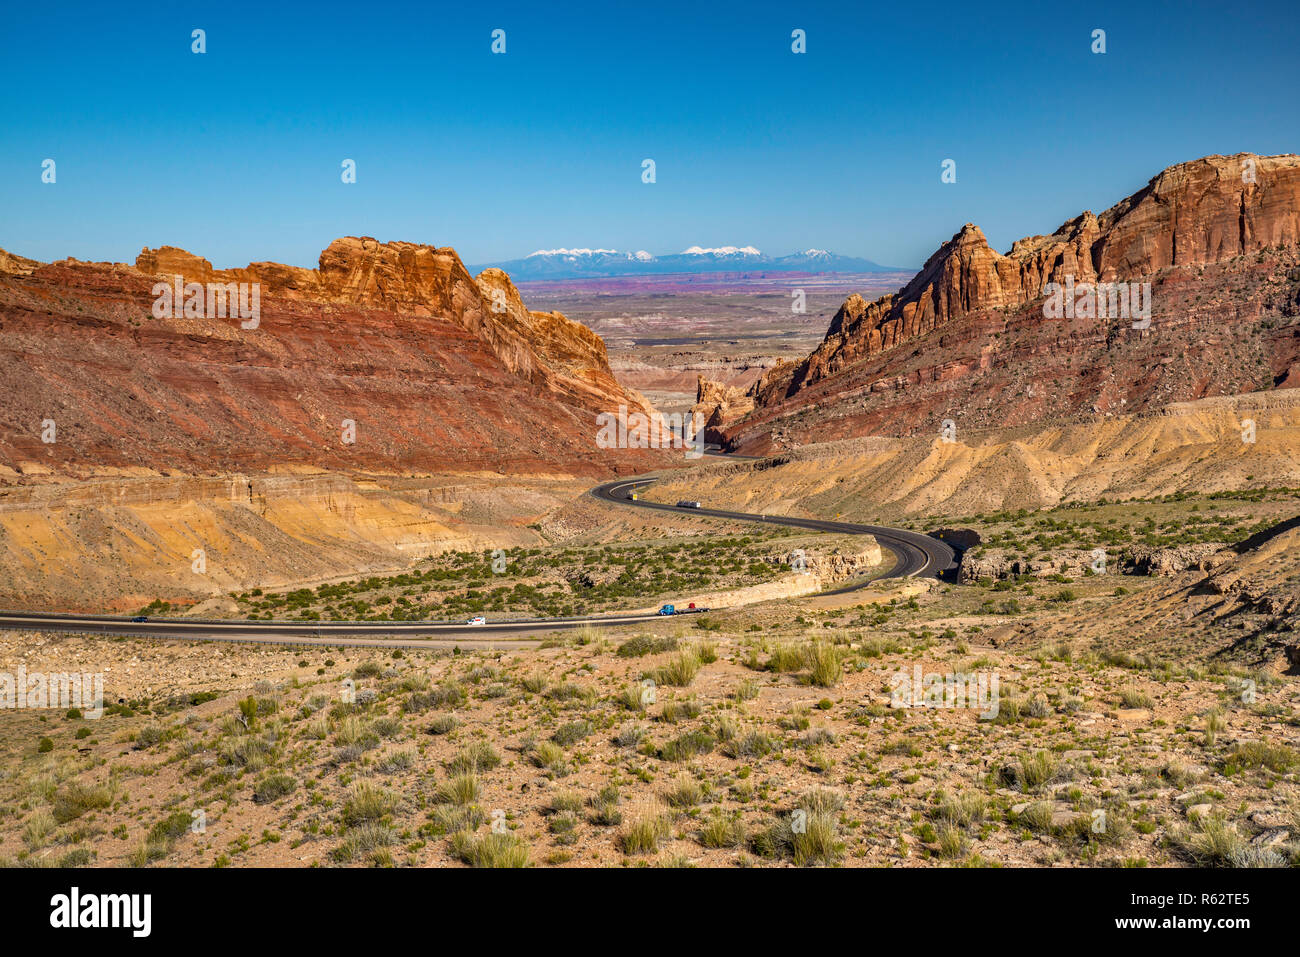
[(721, 251), (573, 252), (610, 263)]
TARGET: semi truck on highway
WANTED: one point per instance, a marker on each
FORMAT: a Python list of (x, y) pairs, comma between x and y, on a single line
[(674, 610)]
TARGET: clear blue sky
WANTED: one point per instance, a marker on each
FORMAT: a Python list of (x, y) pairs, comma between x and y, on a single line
[(236, 154)]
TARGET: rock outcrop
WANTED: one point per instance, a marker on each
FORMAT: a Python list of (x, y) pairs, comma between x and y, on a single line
[(438, 370), (1238, 606), (1146, 560), (719, 404), (1217, 238), (834, 564), (1193, 447), (1000, 564)]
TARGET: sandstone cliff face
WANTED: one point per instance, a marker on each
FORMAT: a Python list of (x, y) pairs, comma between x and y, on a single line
[(569, 349), (16, 265), (548, 349), (398, 338), (835, 564), (1192, 216), (719, 404)]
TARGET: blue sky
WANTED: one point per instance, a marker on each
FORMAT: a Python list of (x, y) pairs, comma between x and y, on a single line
[(235, 154)]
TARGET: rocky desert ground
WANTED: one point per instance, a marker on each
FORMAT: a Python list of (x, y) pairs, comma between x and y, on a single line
[(770, 735), (1138, 713)]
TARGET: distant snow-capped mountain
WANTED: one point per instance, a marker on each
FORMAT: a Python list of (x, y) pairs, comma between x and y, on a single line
[(722, 251), (599, 263)]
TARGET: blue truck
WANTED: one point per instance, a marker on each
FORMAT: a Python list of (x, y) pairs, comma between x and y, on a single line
[(674, 610)]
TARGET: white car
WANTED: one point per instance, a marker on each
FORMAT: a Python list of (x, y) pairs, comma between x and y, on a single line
[(477, 620)]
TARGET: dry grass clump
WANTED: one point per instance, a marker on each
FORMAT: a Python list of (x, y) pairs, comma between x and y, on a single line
[(1136, 698), (371, 838), (549, 756), (808, 834), (478, 756), (75, 799), (963, 809), (1035, 771), (459, 790), (1211, 842), (685, 793), (822, 660), (679, 672), (643, 834), (367, 802), (490, 850), (722, 831)]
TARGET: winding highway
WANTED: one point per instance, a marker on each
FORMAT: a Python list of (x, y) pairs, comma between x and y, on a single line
[(915, 555)]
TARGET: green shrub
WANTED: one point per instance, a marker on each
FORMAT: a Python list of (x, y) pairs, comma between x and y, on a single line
[(1263, 754), (643, 645), (688, 745), (273, 787), (170, 828), (569, 734)]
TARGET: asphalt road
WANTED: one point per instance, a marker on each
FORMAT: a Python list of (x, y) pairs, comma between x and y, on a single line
[(915, 554), (395, 634)]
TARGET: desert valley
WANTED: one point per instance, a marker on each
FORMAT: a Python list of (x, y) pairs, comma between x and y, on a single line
[(1110, 490)]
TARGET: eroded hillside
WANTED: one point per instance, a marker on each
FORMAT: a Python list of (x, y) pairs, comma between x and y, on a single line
[(1191, 446), (969, 338)]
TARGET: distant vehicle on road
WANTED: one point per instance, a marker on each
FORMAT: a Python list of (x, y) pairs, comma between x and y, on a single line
[(674, 610), (477, 620), (140, 618), (685, 504)]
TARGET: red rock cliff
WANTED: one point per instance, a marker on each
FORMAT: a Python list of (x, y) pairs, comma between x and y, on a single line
[(440, 371), (1195, 215)]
